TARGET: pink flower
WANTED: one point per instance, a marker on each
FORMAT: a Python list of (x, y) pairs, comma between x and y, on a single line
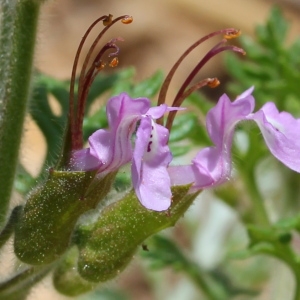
[(212, 165), (281, 132), (112, 148), (152, 175)]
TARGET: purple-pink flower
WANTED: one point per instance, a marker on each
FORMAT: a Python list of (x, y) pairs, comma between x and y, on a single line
[(151, 158), (152, 175), (281, 132), (212, 165), (112, 148)]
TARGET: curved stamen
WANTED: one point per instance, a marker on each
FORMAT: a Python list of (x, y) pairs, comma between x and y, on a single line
[(182, 91), (86, 77), (73, 75), (97, 39), (228, 34), (211, 82), (93, 71), (214, 51), (95, 67)]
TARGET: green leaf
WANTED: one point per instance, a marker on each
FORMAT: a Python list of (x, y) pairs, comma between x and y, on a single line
[(149, 87), (274, 33), (261, 248), (95, 122), (18, 29), (50, 124), (125, 82), (9, 227), (271, 66), (24, 182), (102, 84), (183, 126), (162, 252)]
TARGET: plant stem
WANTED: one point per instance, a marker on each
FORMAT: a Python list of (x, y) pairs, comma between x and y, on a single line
[(210, 288), (17, 41), (18, 286), (9, 227), (260, 213)]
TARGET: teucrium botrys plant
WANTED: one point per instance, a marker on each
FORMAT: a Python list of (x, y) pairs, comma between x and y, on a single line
[(66, 194), (19, 21), (78, 221), (46, 224)]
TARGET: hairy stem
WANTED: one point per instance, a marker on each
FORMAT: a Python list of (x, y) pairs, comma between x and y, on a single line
[(212, 290), (9, 227), (19, 285), (18, 33)]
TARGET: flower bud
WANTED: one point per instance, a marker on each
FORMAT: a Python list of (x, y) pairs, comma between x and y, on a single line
[(108, 245), (47, 221), (66, 279)]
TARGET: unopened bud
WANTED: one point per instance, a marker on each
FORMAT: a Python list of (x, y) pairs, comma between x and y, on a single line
[(66, 279), (107, 246), (47, 221)]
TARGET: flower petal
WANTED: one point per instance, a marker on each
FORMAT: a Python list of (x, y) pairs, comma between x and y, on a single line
[(222, 118), (281, 132), (158, 111), (112, 147), (151, 158), (82, 160), (209, 168), (212, 165)]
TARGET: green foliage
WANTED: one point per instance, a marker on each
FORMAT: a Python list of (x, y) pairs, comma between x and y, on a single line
[(190, 125), (18, 286), (24, 182), (52, 125), (215, 284), (10, 225), (17, 43), (271, 66), (147, 88)]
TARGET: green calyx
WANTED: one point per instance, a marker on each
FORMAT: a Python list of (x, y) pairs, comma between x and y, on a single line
[(108, 245), (48, 219)]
